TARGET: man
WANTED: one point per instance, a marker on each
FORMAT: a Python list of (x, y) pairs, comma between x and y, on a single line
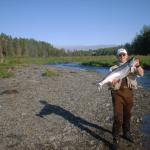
[(122, 98)]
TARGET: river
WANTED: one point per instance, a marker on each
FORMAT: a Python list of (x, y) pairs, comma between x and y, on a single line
[(142, 81)]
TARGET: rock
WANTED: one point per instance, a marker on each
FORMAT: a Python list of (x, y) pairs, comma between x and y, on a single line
[(107, 105), (9, 92), (146, 95), (68, 148), (23, 114), (99, 146), (137, 120), (92, 142), (132, 118), (107, 118)]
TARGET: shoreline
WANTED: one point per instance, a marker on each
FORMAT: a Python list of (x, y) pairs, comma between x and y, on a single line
[(108, 65), (62, 112)]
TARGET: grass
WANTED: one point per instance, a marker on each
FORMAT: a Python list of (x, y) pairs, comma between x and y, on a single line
[(6, 74), (50, 73), (8, 65), (98, 61), (108, 61), (15, 62), (145, 61)]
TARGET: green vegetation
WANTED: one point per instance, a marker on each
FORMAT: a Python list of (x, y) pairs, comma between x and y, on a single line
[(21, 47), (17, 47), (11, 63), (14, 62), (5, 70), (16, 52), (145, 61), (50, 73), (98, 61), (141, 43), (6, 74), (108, 61)]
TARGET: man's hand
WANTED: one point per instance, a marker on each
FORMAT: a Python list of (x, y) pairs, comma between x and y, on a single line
[(137, 62), (138, 67)]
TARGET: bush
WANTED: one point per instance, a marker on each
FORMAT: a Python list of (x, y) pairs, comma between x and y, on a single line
[(6, 74), (50, 73)]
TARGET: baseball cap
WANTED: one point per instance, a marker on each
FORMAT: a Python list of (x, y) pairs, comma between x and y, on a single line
[(121, 50)]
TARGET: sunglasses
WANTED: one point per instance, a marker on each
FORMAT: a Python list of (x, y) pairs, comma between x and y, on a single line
[(122, 55)]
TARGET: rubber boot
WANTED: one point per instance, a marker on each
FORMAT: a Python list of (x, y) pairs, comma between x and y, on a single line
[(116, 137), (128, 136), (116, 140), (126, 133)]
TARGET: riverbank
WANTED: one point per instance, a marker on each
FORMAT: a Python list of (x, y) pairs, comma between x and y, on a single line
[(103, 61), (61, 112)]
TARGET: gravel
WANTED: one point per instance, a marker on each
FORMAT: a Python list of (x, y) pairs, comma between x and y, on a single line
[(64, 112)]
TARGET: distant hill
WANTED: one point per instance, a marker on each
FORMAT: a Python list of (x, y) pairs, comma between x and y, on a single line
[(83, 47)]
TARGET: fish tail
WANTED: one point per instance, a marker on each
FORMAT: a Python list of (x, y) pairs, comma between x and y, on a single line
[(99, 87)]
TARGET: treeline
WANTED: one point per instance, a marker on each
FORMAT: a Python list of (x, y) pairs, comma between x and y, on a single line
[(141, 43), (27, 47), (139, 46), (97, 52), (32, 48)]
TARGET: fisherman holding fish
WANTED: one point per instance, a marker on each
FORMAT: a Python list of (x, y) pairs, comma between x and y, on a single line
[(122, 93), (122, 81)]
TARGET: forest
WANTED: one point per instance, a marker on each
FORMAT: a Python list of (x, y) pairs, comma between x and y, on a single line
[(23, 47)]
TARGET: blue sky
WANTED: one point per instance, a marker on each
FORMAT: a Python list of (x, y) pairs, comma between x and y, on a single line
[(75, 22)]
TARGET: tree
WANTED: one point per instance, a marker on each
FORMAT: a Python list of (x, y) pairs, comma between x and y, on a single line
[(141, 43), (27, 47), (3, 43)]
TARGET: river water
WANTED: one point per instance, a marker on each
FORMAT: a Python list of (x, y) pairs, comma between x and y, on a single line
[(142, 81)]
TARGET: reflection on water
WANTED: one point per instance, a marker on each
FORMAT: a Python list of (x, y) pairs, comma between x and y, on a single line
[(143, 81), (145, 128), (145, 125)]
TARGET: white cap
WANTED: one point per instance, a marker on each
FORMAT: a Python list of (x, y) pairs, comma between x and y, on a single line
[(121, 50)]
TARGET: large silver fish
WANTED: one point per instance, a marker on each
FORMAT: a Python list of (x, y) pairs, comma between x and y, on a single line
[(118, 73)]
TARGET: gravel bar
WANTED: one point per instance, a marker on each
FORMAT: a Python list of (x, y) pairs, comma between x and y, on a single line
[(64, 112)]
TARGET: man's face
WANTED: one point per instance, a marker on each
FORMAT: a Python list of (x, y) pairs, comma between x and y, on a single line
[(122, 57)]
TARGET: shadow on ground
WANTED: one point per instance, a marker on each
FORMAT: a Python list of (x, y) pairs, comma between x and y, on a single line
[(81, 123)]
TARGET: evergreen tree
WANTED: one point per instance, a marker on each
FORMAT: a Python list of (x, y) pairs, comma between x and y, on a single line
[(141, 43)]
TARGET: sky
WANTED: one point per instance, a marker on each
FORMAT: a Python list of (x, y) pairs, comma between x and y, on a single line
[(75, 22)]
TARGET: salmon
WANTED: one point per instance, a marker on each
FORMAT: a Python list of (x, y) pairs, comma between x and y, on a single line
[(118, 73)]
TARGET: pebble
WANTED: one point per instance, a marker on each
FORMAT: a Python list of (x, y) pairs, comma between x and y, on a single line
[(92, 142), (137, 120), (107, 105), (23, 114), (99, 146), (107, 118)]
